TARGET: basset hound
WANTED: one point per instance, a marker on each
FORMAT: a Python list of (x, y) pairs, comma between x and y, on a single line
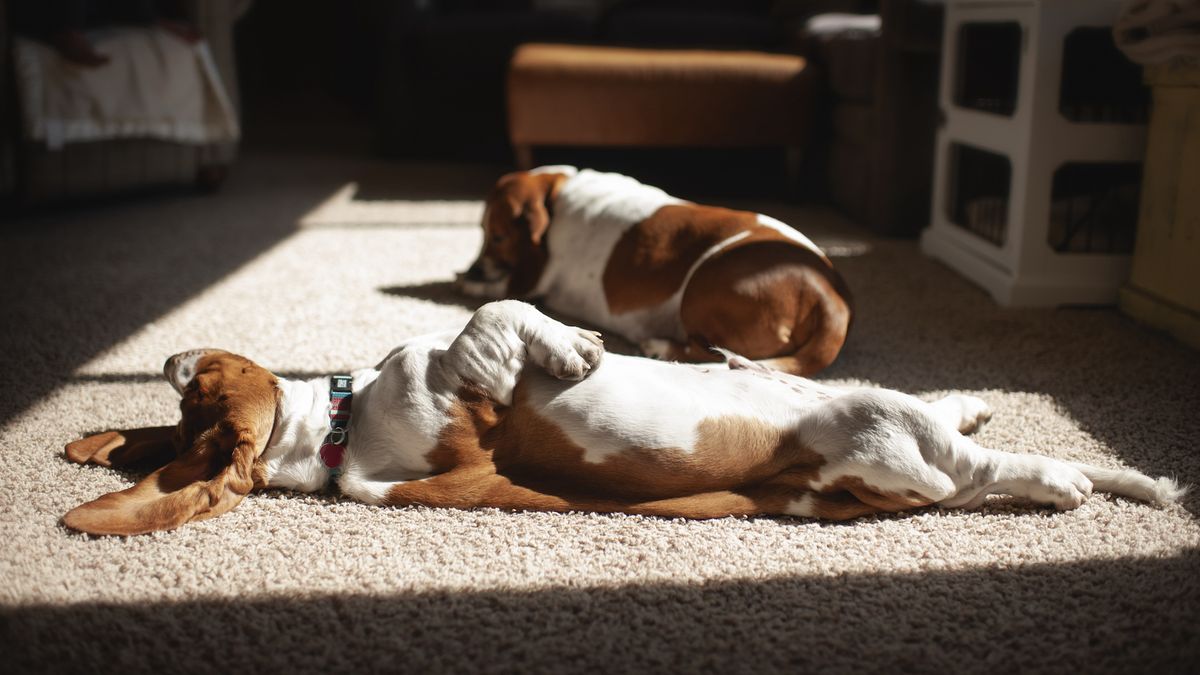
[(518, 411), (675, 277)]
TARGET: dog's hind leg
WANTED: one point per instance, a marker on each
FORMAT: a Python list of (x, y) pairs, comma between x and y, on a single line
[(896, 444), (895, 431), (980, 471), (965, 414)]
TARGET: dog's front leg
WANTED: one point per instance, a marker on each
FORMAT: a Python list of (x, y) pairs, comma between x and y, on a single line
[(502, 337)]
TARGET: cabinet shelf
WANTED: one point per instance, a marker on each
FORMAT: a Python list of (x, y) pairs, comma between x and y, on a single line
[(1038, 160)]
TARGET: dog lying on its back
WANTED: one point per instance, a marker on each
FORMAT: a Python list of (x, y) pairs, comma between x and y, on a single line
[(675, 277), (519, 411)]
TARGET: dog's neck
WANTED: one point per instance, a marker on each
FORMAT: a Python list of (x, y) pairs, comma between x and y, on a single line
[(292, 456)]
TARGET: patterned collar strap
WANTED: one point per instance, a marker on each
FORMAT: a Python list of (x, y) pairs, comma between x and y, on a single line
[(333, 450)]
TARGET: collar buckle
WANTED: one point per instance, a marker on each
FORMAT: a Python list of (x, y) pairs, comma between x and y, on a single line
[(336, 437), (333, 450)]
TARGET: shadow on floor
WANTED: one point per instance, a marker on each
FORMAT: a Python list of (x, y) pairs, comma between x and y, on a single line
[(437, 292), (1037, 618), (92, 274)]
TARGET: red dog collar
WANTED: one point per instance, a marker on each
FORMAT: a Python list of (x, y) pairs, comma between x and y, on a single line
[(333, 450)]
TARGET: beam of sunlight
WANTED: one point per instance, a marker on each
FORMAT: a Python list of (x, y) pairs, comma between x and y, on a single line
[(341, 209), (382, 243)]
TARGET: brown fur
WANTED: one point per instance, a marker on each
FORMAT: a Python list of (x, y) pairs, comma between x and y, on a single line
[(850, 497), (518, 214), (513, 458), (488, 455), (228, 410), (150, 447), (764, 296), (787, 304), (651, 259)]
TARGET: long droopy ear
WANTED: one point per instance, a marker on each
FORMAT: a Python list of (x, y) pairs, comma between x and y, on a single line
[(539, 208), (208, 479), (140, 449)]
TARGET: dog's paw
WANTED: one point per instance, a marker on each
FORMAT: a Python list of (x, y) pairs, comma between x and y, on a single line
[(966, 414), (975, 413), (568, 353), (1061, 485)]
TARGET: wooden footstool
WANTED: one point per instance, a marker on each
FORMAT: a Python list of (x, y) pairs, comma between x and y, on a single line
[(568, 95)]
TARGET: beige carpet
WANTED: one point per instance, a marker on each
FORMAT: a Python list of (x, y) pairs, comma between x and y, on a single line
[(305, 273)]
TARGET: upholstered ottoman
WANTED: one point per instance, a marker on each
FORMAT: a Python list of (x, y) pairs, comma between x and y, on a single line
[(568, 95)]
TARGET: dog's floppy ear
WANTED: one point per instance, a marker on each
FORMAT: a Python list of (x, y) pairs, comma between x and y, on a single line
[(146, 449), (539, 206), (229, 407), (208, 479)]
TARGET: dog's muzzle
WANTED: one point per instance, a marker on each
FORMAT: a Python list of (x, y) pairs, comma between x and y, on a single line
[(475, 272), (483, 271), (483, 279)]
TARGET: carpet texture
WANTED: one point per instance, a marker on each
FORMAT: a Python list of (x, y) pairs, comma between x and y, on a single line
[(307, 273)]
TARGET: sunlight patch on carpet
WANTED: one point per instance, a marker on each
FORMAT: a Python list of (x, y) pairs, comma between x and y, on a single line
[(342, 209)]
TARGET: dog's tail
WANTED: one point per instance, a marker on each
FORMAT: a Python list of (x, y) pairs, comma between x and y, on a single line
[(1133, 484), (826, 325)]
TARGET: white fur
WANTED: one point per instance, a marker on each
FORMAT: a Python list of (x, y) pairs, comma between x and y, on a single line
[(593, 209), (789, 232), (894, 442)]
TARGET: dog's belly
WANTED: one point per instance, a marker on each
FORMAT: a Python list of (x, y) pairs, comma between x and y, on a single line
[(653, 429)]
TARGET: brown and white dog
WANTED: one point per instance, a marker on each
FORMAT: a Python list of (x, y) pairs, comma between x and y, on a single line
[(675, 277), (519, 411)]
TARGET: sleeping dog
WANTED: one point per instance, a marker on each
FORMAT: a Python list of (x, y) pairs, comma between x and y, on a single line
[(675, 277), (521, 412)]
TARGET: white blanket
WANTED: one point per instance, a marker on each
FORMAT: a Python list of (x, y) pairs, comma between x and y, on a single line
[(155, 85)]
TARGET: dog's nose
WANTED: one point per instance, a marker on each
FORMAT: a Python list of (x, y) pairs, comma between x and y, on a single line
[(475, 272)]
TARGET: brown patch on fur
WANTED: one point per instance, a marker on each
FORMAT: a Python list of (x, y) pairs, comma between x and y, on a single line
[(517, 217), (465, 465), (513, 458), (228, 410), (851, 497), (652, 258), (730, 453), (768, 299), (764, 296), (472, 416)]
